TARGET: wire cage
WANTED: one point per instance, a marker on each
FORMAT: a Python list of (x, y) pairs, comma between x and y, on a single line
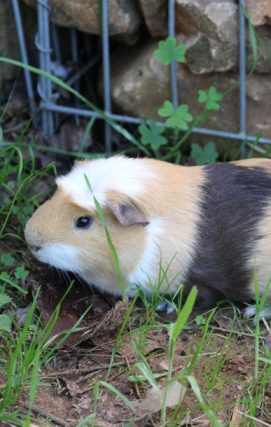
[(47, 45)]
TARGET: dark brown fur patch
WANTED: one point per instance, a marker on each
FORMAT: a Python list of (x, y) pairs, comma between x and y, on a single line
[(234, 199)]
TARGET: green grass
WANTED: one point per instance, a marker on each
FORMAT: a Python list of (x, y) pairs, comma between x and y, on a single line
[(208, 368), (24, 349), (202, 373)]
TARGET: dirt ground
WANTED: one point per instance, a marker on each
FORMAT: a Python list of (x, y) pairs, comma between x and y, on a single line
[(69, 379)]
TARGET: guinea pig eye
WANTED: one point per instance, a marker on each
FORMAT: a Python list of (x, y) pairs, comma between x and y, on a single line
[(83, 222)]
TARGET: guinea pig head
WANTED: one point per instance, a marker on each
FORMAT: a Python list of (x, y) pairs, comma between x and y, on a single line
[(68, 233)]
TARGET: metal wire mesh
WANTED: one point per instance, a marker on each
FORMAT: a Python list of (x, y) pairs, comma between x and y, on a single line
[(50, 107)]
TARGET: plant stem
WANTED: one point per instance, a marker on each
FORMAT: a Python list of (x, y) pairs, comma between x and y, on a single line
[(196, 122)]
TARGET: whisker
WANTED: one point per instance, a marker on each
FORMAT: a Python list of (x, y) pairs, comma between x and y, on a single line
[(82, 282)]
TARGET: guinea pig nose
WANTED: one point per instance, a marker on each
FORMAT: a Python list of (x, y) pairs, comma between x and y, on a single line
[(34, 248)]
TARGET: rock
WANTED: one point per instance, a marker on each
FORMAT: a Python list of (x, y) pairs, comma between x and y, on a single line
[(124, 17), (206, 55), (210, 30), (140, 84), (155, 16), (259, 104), (134, 74), (259, 11), (8, 41)]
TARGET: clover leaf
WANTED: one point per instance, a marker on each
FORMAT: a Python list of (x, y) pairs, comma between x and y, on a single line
[(210, 98), (7, 260), (5, 320), (4, 299), (151, 135), (168, 51), (176, 117), (21, 272), (5, 323), (205, 155), (167, 109), (200, 320)]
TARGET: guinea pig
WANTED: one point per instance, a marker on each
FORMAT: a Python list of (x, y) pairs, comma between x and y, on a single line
[(208, 226)]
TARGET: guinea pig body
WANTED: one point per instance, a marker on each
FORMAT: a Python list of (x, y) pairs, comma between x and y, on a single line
[(208, 226)]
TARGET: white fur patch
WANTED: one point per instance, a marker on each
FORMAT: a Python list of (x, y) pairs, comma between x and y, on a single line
[(251, 312), (117, 173), (145, 274), (60, 256)]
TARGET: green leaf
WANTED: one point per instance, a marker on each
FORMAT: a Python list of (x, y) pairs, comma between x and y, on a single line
[(208, 411), (151, 135), (4, 299), (200, 320), (5, 323), (166, 110), (117, 393), (7, 260), (176, 328), (177, 118), (10, 185), (265, 360), (210, 98), (5, 277), (205, 155), (147, 373), (21, 273), (180, 118), (169, 52)]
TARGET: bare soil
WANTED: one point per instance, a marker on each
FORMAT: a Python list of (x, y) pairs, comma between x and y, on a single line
[(67, 394)]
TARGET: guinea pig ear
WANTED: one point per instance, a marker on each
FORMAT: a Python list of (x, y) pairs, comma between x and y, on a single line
[(128, 213)]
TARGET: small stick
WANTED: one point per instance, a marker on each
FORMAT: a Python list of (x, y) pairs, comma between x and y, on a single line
[(266, 325), (254, 419), (78, 370), (234, 332), (45, 414)]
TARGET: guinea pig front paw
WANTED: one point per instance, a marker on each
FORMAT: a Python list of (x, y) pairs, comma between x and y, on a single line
[(132, 290), (166, 306), (251, 312)]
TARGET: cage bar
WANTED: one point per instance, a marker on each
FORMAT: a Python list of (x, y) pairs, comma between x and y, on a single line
[(49, 104)]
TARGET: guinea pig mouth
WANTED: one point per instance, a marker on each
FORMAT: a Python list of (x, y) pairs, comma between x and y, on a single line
[(34, 248), (58, 255)]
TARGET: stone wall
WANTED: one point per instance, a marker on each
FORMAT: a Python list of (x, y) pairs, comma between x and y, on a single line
[(9, 46), (209, 28), (8, 40)]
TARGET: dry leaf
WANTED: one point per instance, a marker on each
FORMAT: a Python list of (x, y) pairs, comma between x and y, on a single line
[(155, 397), (164, 365)]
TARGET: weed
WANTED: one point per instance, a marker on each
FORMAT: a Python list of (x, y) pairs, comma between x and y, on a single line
[(207, 154), (200, 369), (24, 348), (5, 320), (178, 117)]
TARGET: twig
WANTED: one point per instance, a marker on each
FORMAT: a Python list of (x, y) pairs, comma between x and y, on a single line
[(266, 325), (78, 370), (217, 328), (45, 414), (254, 419), (236, 414)]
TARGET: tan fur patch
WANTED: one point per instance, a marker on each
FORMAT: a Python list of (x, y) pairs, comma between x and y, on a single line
[(255, 163), (174, 197), (261, 259), (54, 222)]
